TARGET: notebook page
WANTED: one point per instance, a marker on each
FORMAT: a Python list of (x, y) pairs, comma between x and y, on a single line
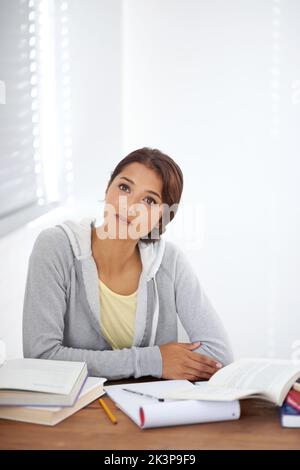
[(160, 387)]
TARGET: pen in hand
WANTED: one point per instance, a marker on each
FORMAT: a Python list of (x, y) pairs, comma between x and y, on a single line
[(108, 412)]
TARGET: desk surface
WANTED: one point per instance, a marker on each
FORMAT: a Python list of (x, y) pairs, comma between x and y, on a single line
[(89, 428)]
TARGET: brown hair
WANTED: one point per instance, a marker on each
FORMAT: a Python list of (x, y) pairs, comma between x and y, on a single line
[(165, 167)]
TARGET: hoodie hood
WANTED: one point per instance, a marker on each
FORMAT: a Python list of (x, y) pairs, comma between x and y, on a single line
[(79, 234)]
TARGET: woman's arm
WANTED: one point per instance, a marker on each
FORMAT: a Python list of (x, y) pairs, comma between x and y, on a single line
[(45, 305), (198, 315)]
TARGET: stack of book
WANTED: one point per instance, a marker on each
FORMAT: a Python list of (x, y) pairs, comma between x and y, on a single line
[(290, 410), (43, 391)]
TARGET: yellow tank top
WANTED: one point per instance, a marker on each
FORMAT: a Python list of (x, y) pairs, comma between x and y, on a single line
[(117, 317)]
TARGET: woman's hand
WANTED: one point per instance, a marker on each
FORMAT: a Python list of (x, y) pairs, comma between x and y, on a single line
[(180, 362)]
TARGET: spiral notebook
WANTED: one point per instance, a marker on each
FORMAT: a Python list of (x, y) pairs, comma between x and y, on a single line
[(142, 402)]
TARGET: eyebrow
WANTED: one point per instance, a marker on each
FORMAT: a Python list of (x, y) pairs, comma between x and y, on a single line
[(147, 190)]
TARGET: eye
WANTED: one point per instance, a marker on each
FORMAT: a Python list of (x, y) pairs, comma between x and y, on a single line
[(151, 199), (123, 184)]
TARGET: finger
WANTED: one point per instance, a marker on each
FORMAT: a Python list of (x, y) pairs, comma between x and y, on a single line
[(204, 376), (205, 360), (192, 378), (201, 367), (192, 367), (202, 364), (195, 377)]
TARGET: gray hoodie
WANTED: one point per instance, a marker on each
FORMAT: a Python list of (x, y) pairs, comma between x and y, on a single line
[(62, 316)]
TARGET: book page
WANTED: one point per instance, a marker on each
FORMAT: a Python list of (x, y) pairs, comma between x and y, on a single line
[(269, 378), (51, 415), (40, 375), (90, 384), (266, 376), (206, 391)]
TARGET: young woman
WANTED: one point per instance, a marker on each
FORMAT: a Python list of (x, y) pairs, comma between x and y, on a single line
[(110, 295)]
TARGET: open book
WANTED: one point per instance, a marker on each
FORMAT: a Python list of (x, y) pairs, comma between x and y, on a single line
[(136, 400), (51, 415), (41, 382), (270, 379)]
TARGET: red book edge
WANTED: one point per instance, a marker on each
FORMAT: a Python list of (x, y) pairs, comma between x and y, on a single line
[(293, 399)]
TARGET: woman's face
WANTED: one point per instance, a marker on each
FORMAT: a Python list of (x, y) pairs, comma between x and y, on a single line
[(133, 204)]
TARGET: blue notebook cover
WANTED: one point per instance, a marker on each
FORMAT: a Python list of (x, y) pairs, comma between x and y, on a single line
[(289, 417), (289, 410)]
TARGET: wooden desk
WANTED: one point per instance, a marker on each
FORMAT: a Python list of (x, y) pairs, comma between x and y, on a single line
[(258, 428)]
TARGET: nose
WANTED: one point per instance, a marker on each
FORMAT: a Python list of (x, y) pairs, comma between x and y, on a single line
[(131, 207), (127, 209)]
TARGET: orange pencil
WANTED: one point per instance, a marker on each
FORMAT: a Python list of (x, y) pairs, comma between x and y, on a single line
[(108, 412)]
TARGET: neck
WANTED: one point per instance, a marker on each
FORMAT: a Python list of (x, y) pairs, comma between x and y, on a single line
[(113, 254)]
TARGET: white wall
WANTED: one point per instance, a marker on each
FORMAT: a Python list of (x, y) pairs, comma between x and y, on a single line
[(211, 83), (96, 79)]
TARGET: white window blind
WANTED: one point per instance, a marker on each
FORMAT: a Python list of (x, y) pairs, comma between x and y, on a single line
[(35, 130)]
